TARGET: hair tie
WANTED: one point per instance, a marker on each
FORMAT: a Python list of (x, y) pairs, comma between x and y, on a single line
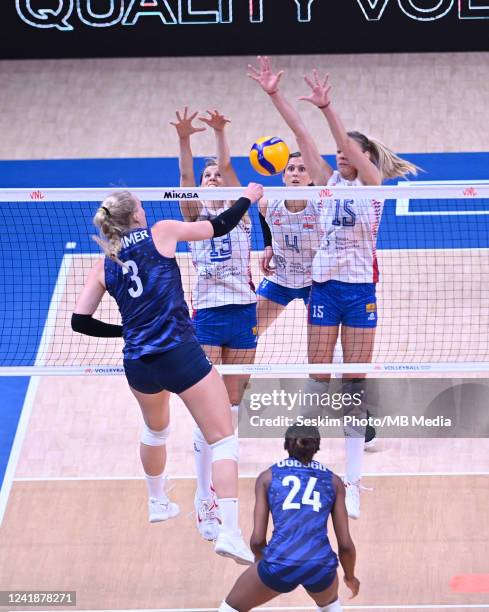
[(106, 210)]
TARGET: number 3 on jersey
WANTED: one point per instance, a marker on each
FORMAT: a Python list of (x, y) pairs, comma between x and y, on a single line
[(131, 267), (309, 498)]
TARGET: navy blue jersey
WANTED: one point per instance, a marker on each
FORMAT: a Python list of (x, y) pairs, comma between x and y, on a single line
[(300, 498), (150, 297)]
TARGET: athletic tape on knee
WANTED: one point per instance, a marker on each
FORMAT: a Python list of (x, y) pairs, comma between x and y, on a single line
[(224, 607), (332, 607), (227, 448), (150, 437)]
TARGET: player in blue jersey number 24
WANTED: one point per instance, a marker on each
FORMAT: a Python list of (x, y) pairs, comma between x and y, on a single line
[(300, 494)]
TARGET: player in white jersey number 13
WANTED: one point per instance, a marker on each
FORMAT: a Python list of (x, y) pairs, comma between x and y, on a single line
[(223, 297)]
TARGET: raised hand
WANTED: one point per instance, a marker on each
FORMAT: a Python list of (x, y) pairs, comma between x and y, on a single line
[(184, 125), (254, 191), (319, 90), (215, 120), (268, 80)]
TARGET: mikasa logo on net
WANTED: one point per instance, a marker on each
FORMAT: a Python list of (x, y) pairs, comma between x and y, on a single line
[(192, 12)]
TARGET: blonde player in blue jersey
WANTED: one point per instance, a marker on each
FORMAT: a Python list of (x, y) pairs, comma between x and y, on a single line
[(345, 270), (300, 494), (161, 352), (223, 298)]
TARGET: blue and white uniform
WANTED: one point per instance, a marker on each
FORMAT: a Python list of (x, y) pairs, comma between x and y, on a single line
[(345, 269), (160, 348), (223, 298), (300, 498), (296, 236)]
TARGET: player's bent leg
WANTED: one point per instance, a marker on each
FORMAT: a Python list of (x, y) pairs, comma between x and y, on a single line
[(154, 435), (327, 599), (236, 383), (213, 353), (248, 592), (267, 312), (321, 341), (208, 403), (205, 500), (358, 345)]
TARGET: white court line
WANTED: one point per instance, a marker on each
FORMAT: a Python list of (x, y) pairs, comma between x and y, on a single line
[(241, 476), (30, 396)]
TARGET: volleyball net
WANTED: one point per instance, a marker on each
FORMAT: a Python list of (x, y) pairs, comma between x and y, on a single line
[(432, 294)]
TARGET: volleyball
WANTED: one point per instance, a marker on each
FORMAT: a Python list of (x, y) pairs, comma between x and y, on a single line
[(269, 155)]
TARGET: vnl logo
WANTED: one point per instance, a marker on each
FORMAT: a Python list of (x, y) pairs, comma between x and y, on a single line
[(173, 12)]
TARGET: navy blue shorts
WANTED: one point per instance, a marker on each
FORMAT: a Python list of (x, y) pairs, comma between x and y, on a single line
[(282, 295), (285, 578), (233, 326), (335, 302), (175, 370)]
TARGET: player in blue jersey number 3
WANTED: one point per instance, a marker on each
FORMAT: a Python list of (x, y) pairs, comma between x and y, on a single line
[(300, 494), (161, 352)]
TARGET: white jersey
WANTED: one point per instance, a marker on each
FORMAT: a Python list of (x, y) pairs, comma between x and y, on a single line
[(348, 250), (295, 239), (223, 267)]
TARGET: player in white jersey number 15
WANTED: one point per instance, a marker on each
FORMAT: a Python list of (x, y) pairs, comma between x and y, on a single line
[(344, 270)]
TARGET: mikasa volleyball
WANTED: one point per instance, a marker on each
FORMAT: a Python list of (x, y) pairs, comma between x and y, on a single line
[(269, 155)]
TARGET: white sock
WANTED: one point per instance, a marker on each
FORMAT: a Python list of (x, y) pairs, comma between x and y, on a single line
[(235, 415), (156, 487), (224, 607), (229, 509), (203, 464), (354, 458), (332, 607)]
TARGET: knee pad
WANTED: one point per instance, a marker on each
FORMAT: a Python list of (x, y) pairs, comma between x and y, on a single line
[(332, 607), (150, 437), (227, 448)]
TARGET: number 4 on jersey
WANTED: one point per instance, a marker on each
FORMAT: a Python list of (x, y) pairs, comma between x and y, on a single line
[(309, 498)]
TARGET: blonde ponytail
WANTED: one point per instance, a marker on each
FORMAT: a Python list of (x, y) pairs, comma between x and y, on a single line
[(113, 218), (389, 164)]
